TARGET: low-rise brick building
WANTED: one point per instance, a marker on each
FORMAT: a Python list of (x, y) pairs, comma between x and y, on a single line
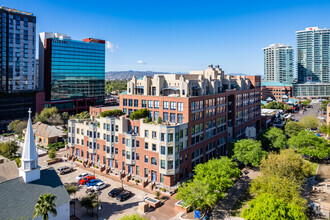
[(275, 90)]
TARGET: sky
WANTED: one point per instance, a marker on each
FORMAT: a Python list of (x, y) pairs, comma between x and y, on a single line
[(179, 35)]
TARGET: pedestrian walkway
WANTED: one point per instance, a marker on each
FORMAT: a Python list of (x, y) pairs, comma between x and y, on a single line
[(224, 206)]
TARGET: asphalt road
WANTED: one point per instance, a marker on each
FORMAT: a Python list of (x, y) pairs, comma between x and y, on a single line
[(315, 111)]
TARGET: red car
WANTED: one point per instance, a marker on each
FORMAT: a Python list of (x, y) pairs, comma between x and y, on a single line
[(86, 180)]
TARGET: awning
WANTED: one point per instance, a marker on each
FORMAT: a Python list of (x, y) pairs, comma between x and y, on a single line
[(171, 88), (269, 99)]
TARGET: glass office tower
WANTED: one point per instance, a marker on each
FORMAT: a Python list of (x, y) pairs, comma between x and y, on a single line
[(17, 49), (74, 72), (313, 55)]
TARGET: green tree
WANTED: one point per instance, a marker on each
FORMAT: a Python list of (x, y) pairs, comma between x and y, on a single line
[(293, 128), (249, 151), (90, 202), (325, 129), (218, 173), (280, 187), (276, 137), (55, 119), (286, 164), (159, 120), (65, 116), (267, 206), (12, 125), (45, 205), (45, 114), (324, 105), (82, 115), (306, 102), (309, 122), (52, 153), (133, 217), (20, 127), (141, 113), (308, 143), (9, 149), (201, 198)]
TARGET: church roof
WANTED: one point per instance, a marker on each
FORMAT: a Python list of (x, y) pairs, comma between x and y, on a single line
[(29, 148), (48, 131), (19, 198)]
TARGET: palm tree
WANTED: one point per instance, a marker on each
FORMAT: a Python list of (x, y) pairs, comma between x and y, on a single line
[(45, 205)]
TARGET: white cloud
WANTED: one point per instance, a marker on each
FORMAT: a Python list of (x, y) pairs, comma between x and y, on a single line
[(140, 62), (110, 46)]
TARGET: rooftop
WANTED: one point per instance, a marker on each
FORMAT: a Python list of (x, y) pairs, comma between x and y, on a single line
[(48, 131), (274, 83), (20, 197), (16, 11)]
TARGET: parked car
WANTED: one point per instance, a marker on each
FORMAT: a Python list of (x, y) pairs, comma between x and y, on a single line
[(115, 192), (99, 186), (81, 176), (124, 195), (93, 182), (64, 169), (90, 190), (86, 180)]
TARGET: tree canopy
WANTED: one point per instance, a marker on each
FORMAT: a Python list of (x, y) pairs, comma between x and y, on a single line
[(286, 164), (293, 128), (17, 126), (308, 143), (277, 105), (45, 114), (9, 149), (267, 206), (210, 182), (309, 122), (324, 105), (133, 217), (141, 113), (45, 205), (116, 86), (306, 102), (249, 151), (82, 115), (276, 137)]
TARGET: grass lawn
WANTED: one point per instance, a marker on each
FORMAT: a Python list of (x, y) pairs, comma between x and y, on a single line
[(241, 204)]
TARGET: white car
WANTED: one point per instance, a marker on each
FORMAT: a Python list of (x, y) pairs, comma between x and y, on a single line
[(82, 176), (99, 186)]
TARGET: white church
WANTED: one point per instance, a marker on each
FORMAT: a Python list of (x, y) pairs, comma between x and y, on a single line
[(19, 195)]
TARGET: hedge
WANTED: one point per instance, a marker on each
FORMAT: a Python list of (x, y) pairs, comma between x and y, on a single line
[(112, 113), (142, 113)]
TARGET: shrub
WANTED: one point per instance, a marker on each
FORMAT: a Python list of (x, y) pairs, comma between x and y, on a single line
[(52, 153), (142, 113), (137, 181), (147, 120), (160, 120), (112, 113), (157, 194), (18, 161), (163, 189)]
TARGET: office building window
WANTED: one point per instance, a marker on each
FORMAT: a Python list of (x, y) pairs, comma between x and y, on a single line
[(154, 148), (145, 158), (172, 117), (146, 133), (165, 116), (136, 103), (150, 104), (124, 102), (172, 105), (156, 104), (180, 106), (162, 164), (180, 118), (144, 103), (165, 105), (154, 134), (146, 146)]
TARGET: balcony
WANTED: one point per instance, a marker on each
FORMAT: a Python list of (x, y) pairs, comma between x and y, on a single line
[(92, 150)]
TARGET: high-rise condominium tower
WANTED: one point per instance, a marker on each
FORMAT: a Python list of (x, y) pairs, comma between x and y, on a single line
[(17, 47), (313, 55), (278, 63)]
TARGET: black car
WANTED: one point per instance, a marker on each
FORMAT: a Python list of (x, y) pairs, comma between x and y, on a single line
[(115, 192), (124, 195)]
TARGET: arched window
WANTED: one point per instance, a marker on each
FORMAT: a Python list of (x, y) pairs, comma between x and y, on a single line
[(153, 161)]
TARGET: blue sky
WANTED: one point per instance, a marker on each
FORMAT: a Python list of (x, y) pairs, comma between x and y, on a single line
[(180, 35)]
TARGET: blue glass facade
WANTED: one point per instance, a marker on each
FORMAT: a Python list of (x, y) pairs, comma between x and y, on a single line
[(77, 70)]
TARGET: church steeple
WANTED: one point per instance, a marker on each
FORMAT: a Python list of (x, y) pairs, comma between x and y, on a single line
[(29, 169)]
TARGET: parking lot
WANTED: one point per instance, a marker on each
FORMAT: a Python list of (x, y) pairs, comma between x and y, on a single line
[(111, 208)]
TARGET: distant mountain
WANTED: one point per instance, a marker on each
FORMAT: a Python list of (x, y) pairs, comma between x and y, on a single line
[(129, 74)]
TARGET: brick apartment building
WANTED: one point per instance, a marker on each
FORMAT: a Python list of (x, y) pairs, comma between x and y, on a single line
[(276, 90), (201, 112)]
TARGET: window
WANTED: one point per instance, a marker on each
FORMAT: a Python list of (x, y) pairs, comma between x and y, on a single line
[(165, 116), (77, 130), (130, 102), (146, 146), (150, 103), (153, 161), (156, 104), (137, 156), (165, 105), (162, 150), (144, 103), (145, 158), (180, 118), (136, 103), (82, 141), (170, 150), (162, 136), (162, 164), (170, 137), (170, 164), (123, 141), (154, 135), (82, 131), (154, 148), (172, 105), (137, 170), (124, 102), (180, 106), (172, 117), (146, 133), (137, 143), (145, 172), (123, 154), (116, 151)]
